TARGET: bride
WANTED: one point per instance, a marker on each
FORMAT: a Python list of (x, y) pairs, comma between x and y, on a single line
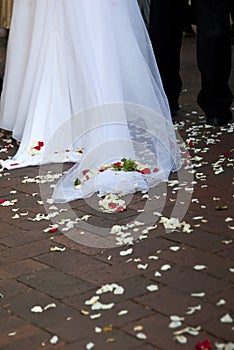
[(81, 84)]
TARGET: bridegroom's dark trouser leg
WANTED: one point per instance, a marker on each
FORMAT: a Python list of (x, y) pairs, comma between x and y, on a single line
[(166, 32), (214, 56)]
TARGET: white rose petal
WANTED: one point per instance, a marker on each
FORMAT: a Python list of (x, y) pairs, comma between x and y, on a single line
[(50, 306), (198, 295), (176, 318), (229, 219), (221, 302), (37, 309), (141, 336), (200, 267), (152, 287), (227, 241), (157, 274), (16, 216), (97, 329), (153, 257), (92, 301), (126, 252), (54, 339), (193, 309), (90, 346), (231, 269), (226, 319), (181, 339), (11, 334), (142, 267), (100, 306), (175, 324), (174, 248), (57, 249), (93, 317), (166, 267), (122, 312)]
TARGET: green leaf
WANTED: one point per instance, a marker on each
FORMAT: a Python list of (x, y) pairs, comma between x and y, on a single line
[(77, 182)]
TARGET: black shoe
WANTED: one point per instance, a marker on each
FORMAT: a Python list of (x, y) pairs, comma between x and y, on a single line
[(219, 121), (189, 32)]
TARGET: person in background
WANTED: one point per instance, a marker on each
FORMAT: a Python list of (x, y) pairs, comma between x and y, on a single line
[(189, 21), (167, 20), (5, 20), (5, 14)]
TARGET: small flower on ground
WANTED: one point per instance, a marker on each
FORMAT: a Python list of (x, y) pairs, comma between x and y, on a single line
[(205, 345)]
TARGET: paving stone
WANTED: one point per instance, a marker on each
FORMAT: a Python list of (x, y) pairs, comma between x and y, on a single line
[(21, 267), (29, 250), (55, 283), (120, 341), (203, 240), (189, 256), (29, 337), (22, 304), (18, 237), (72, 262), (189, 281)]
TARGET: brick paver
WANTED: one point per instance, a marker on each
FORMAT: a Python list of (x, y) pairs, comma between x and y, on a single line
[(189, 275)]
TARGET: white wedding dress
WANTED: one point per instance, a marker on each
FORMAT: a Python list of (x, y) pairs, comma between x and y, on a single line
[(81, 84)]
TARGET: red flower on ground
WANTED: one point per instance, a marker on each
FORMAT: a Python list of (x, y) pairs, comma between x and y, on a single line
[(40, 143), (146, 171), (118, 164), (112, 205), (205, 345), (121, 208), (53, 230), (191, 144), (2, 201)]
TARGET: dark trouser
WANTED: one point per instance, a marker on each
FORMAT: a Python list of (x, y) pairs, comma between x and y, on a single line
[(214, 55), (167, 20), (166, 31)]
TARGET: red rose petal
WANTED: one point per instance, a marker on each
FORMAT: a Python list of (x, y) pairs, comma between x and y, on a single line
[(14, 164), (155, 170), (2, 201), (118, 164), (205, 345), (84, 172), (38, 148), (53, 230), (121, 208), (191, 143), (112, 205), (40, 143), (146, 171)]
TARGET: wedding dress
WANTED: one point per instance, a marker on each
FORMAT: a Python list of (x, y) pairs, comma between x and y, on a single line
[(81, 84)]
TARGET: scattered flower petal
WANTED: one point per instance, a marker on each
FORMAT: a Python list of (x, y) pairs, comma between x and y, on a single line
[(200, 267), (226, 319), (37, 309), (152, 287), (54, 339)]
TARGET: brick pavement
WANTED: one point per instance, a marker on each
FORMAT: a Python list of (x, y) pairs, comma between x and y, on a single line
[(155, 281)]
